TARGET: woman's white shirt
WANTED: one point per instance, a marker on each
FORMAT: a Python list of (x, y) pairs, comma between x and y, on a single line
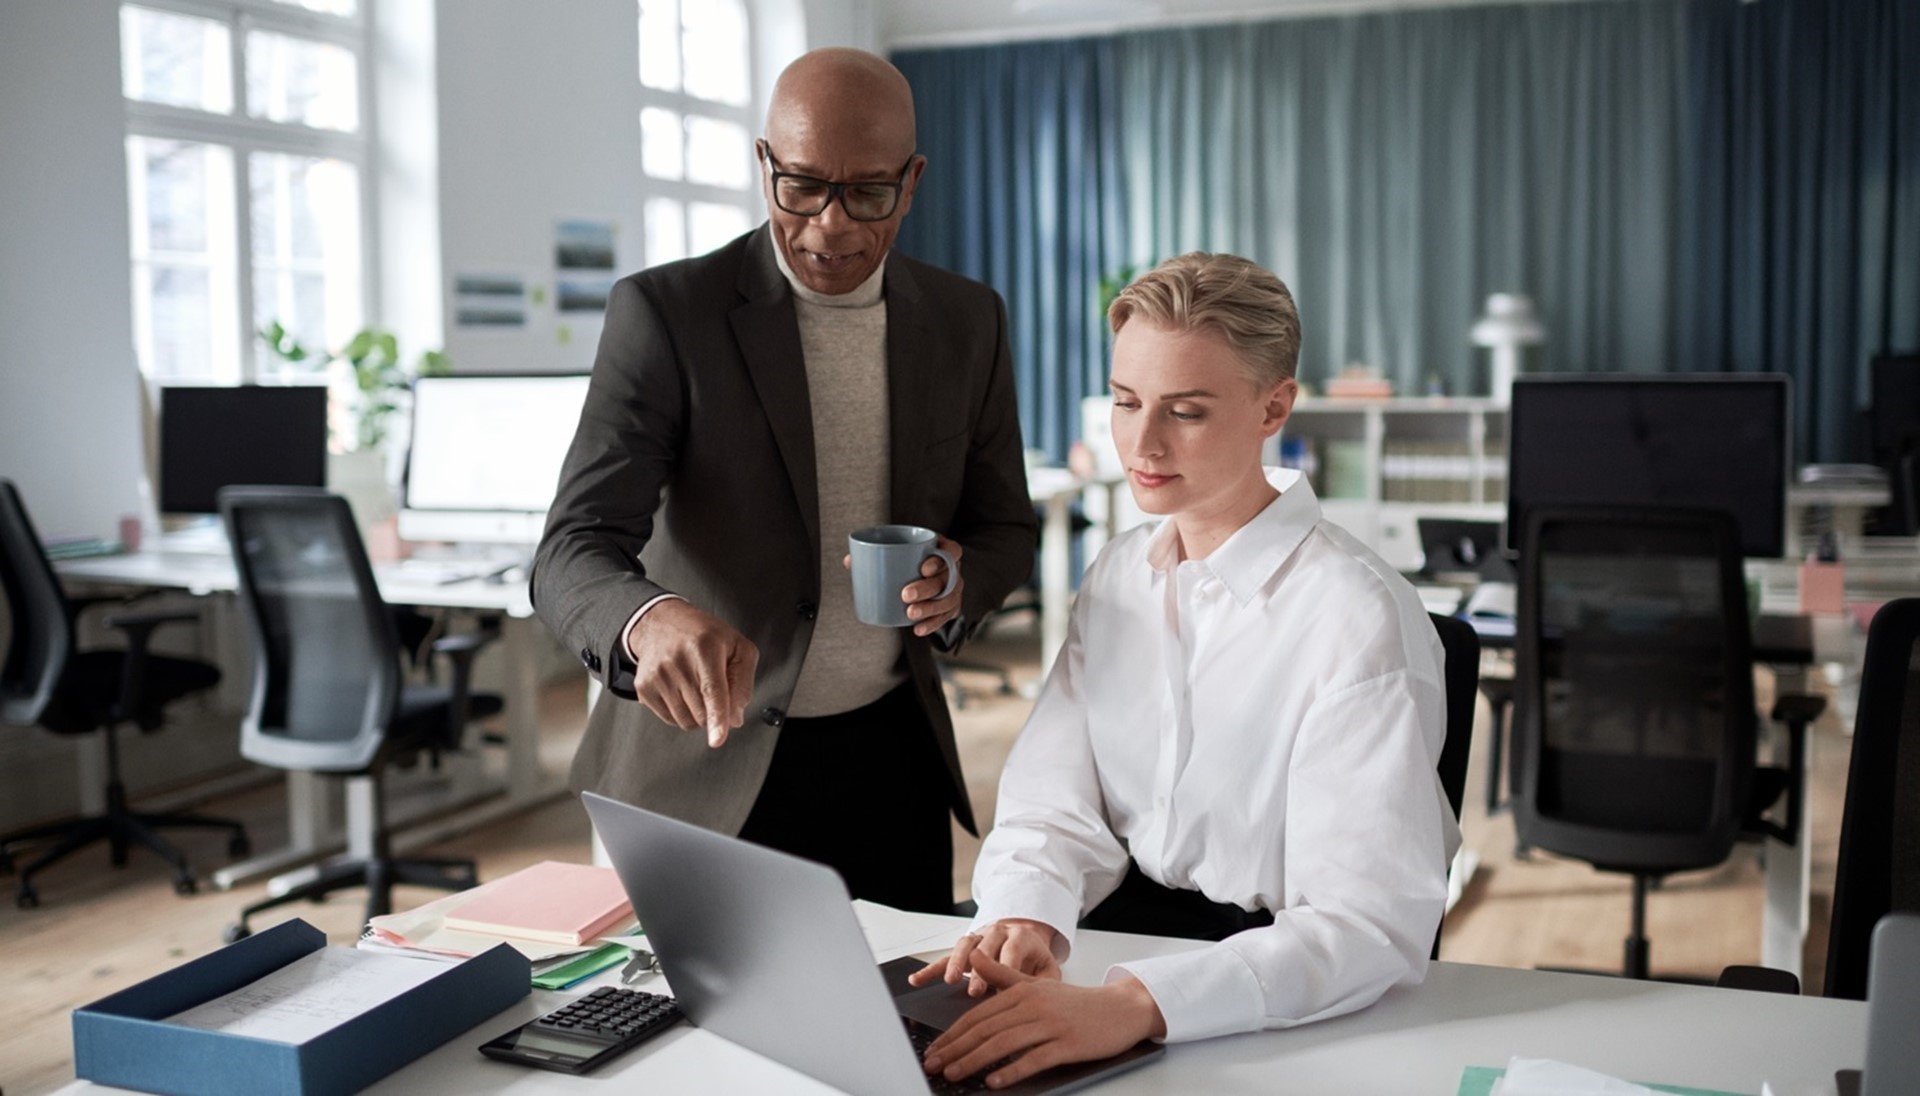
[(1262, 726)]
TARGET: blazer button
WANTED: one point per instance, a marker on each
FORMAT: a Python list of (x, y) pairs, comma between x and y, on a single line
[(590, 660), (807, 610), (772, 717)]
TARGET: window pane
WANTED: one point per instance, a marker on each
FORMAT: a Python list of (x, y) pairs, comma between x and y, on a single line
[(661, 138), (716, 51), (719, 153), (330, 7), (178, 322), (709, 225), (666, 231), (660, 44), (306, 250), (301, 80), (175, 59), (185, 269)]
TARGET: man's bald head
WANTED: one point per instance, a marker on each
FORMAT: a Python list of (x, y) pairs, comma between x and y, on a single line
[(845, 97), (839, 117)]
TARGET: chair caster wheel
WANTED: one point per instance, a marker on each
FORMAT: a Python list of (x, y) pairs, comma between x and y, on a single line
[(26, 899), (184, 884), (239, 847), (235, 933)]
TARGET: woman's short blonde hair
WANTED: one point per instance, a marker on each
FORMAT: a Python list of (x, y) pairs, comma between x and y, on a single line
[(1239, 301)]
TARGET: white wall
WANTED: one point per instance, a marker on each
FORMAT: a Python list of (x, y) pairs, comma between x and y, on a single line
[(69, 384), (539, 120)]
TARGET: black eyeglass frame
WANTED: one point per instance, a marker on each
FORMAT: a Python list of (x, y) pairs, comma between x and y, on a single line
[(836, 192)]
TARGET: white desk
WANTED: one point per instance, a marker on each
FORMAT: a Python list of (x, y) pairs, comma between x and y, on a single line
[(312, 832), (1415, 1040)]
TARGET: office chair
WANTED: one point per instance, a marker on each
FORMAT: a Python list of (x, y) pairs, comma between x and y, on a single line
[(1878, 871), (1635, 728), (46, 682), (1879, 866), (1462, 673), (328, 691)]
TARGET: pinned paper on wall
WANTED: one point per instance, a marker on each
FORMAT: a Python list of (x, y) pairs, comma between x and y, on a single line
[(490, 300), (583, 244)]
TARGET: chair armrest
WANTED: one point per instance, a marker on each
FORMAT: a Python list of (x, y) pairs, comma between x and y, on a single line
[(139, 627), (1762, 979), (460, 651), (144, 623), (467, 643)]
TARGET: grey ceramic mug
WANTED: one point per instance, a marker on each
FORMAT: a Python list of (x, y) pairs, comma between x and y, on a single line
[(886, 558)]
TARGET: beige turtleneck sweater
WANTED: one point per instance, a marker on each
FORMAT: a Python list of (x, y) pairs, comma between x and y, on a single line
[(843, 339)]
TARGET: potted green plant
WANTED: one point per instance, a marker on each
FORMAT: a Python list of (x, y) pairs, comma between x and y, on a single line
[(368, 383)]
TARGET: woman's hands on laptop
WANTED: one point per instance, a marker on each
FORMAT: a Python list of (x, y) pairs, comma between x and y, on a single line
[(1023, 945), (1041, 1023)]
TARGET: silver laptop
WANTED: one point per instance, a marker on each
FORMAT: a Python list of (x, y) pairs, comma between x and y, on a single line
[(764, 949), (1893, 1008)]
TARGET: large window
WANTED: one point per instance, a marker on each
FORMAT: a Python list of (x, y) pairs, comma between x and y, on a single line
[(247, 171), (696, 125)]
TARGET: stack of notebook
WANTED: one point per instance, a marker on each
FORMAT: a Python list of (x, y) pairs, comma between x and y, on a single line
[(559, 915)]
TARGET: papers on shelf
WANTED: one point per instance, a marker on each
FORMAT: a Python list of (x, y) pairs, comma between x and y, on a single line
[(310, 996)]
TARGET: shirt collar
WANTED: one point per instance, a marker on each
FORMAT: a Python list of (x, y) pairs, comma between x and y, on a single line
[(1248, 558), (860, 296)]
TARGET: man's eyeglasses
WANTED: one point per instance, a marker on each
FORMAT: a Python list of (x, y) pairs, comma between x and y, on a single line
[(806, 196)]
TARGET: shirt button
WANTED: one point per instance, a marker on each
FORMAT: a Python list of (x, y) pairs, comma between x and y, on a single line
[(772, 717), (807, 610)]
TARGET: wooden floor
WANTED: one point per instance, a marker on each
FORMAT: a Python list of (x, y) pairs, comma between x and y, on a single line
[(99, 930)]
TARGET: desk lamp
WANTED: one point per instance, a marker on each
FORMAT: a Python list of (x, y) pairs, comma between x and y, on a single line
[(1508, 325)]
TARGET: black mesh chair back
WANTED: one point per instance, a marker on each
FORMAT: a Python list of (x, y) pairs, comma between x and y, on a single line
[(1635, 722), (1462, 677), (1462, 645), (41, 641), (326, 667), (1879, 867)]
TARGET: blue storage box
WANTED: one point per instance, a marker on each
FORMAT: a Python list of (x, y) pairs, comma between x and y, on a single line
[(123, 1040)]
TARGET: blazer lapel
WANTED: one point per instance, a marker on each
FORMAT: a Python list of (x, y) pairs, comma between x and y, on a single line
[(908, 391), (769, 336)]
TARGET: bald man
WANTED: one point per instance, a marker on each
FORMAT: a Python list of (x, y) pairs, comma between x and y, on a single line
[(749, 408)]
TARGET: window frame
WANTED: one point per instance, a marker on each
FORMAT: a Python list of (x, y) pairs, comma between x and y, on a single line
[(684, 104), (243, 136)]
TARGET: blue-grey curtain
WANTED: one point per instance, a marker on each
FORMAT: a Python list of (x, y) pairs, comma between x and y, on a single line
[(1680, 185)]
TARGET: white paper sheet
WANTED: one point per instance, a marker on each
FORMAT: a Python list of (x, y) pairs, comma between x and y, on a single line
[(1546, 1077), (311, 995)]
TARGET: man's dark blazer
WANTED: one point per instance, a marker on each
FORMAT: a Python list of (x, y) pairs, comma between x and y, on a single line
[(693, 473)]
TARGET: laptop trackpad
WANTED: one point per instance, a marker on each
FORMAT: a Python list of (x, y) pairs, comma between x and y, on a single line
[(937, 1005)]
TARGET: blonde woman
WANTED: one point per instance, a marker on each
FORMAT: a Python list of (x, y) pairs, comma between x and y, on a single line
[(1238, 741)]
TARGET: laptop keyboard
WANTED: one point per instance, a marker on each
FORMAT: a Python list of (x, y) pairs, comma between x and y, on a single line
[(922, 1037)]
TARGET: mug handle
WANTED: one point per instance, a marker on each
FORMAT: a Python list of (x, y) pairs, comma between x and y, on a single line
[(953, 571)]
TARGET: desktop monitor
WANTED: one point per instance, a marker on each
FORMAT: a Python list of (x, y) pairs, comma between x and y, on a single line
[(213, 437), (485, 455), (1895, 412), (1702, 439)]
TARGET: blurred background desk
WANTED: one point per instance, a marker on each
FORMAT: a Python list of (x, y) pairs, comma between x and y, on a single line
[(486, 795)]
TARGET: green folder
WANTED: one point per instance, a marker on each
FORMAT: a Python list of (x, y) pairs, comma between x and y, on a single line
[(583, 967), (1478, 1081)]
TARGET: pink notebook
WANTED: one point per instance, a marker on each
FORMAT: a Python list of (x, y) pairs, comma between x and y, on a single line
[(551, 902)]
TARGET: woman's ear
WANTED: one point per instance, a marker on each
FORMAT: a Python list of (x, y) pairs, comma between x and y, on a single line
[(1279, 406)]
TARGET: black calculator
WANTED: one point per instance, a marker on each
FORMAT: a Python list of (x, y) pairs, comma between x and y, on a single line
[(586, 1032)]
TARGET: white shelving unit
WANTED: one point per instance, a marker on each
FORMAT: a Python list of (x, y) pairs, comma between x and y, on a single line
[(1378, 465)]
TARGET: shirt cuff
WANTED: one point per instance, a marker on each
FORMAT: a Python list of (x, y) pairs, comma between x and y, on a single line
[(626, 633), (1034, 897), (1201, 994)]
